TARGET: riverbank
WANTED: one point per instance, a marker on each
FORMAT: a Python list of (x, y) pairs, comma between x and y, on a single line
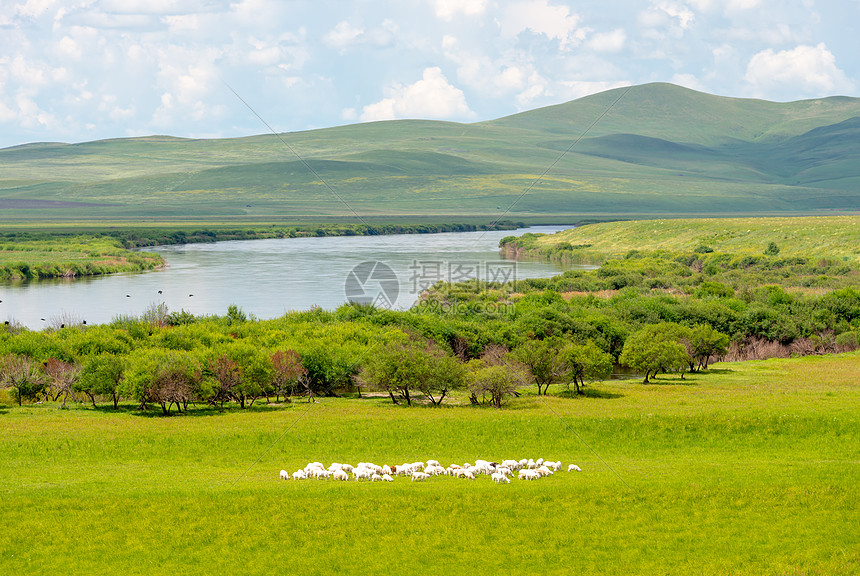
[(70, 257)]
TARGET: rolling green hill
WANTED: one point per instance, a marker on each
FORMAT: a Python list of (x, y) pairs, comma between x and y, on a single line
[(660, 150)]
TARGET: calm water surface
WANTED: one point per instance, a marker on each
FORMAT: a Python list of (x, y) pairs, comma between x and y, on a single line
[(267, 278)]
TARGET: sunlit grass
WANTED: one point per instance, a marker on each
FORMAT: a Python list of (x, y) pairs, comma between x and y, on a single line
[(825, 236), (751, 468)]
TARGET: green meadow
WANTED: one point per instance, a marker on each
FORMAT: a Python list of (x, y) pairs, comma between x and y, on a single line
[(747, 468), (831, 237)]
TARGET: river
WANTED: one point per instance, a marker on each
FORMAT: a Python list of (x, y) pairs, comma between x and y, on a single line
[(267, 278)]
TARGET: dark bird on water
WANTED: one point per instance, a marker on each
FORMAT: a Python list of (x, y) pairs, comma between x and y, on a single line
[(128, 295), (190, 295), (159, 291)]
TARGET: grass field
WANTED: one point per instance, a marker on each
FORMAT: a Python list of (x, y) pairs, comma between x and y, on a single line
[(749, 469), (817, 237)]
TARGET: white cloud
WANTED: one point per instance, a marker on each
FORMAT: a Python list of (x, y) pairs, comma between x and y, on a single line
[(810, 70), (431, 97), (34, 8), (447, 9), (671, 16), (608, 41), (539, 17), (343, 35), (578, 88), (688, 81)]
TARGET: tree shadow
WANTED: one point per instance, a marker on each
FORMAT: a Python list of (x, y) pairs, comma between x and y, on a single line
[(589, 393), (687, 381), (199, 411), (716, 371)]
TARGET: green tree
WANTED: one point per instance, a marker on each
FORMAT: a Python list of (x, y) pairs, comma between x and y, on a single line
[(168, 378), (495, 375), (328, 367), (651, 350), (23, 375), (544, 361), (410, 365), (586, 363), (101, 376), (707, 343)]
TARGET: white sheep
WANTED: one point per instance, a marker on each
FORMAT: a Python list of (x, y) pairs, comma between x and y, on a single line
[(528, 474), (433, 463), (504, 470), (387, 478), (299, 475), (554, 466), (574, 468), (375, 478), (419, 476), (361, 474), (340, 475), (511, 464), (467, 474), (386, 469), (499, 478), (544, 471), (531, 464), (285, 475)]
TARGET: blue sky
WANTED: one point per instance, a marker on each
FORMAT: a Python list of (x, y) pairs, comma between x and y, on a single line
[(75, 71)]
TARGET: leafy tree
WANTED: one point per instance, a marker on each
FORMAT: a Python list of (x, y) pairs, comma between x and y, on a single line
[(328, 368), (413, 364), (101, 376), (651, 350), (495, 375), (772, 249), (586, 362), (706, 343), (23, 375), (544, 361), (172, 378)]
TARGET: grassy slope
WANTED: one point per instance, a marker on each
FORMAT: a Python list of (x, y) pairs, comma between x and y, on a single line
[(751, 469), (830, 237), (661, 150)]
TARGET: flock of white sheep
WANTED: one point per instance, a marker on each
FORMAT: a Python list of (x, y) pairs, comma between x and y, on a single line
[(526, 469)]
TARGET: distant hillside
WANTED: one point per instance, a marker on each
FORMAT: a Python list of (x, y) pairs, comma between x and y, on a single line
[(660, 150)]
